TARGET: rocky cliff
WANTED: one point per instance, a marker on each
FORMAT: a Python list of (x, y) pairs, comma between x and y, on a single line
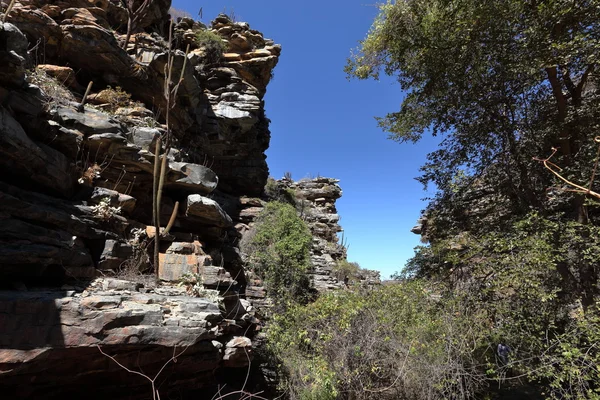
[(76, 199)]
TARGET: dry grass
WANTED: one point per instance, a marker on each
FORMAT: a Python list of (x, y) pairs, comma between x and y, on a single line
[(56, 92)]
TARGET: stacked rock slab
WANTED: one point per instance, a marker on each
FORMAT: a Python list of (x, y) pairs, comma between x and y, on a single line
[(76, 201), (315, 201)]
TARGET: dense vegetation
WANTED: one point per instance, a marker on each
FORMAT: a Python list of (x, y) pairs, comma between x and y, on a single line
[(502, 299), (278, 252)]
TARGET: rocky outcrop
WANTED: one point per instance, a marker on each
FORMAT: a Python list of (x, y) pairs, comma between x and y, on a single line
[(76, 201), (142, 328), (315, 201)]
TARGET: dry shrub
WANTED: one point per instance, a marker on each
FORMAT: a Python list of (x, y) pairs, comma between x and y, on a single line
[(55, 91)]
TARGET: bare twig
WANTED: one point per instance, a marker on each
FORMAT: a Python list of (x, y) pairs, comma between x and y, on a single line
[(8, 10), (556, 171), (134, 15), (155, 394)]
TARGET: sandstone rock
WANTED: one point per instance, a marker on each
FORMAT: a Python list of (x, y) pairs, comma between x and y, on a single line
[(256, 71), (65, 75), (13, 39), (12, 60), (197, 177), (27, 102), (420, 227), (216, 277), (119, 285), (39, 28), (30, 251), (238, 352), (207, 211), (256, 53), (90, 122), (239, 43), (114, 255), (182, 248), (232, 57), (234, 113), (145, 138), (174, 266), (93, 16), (44, 236)]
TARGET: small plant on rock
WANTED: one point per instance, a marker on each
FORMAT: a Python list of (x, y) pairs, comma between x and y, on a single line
[(56, 92), (213, 45), (194, 286), (104, 211)]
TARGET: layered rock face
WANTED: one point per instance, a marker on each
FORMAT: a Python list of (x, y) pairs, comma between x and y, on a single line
[(315, 201), (76, 199), (57, 343)]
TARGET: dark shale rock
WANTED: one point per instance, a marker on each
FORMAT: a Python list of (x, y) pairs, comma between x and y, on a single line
[(76, 202), (207, 211), (35, 162)]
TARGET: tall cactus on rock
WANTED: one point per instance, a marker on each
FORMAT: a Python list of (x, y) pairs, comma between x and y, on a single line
[(161, 162)]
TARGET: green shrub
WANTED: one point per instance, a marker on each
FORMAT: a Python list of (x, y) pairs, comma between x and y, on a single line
[(279, 192), (534, 280), (437, 338), (213, 45), (278, 252), (346, 271), (397, 342)]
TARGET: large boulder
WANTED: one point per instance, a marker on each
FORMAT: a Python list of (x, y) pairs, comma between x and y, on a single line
[(108, 57), (207, 211)]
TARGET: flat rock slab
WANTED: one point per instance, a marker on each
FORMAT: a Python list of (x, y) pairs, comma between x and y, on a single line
[(89, 122), (207, 211), (193, 176)]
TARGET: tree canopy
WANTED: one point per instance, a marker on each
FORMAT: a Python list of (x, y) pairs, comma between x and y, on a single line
[(503, 81)]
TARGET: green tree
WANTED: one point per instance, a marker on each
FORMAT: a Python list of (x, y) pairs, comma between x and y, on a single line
[(503, 80), (279, 253)]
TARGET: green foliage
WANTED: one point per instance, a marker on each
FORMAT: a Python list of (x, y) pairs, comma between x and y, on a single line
[(279, 253), (346, 271), (271, 188), (213, 45), (504, 82), (532, 60), (396, 342), (279, 192), (537, 281)]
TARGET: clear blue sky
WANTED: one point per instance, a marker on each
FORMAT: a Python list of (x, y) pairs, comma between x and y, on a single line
[(323, 124)]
